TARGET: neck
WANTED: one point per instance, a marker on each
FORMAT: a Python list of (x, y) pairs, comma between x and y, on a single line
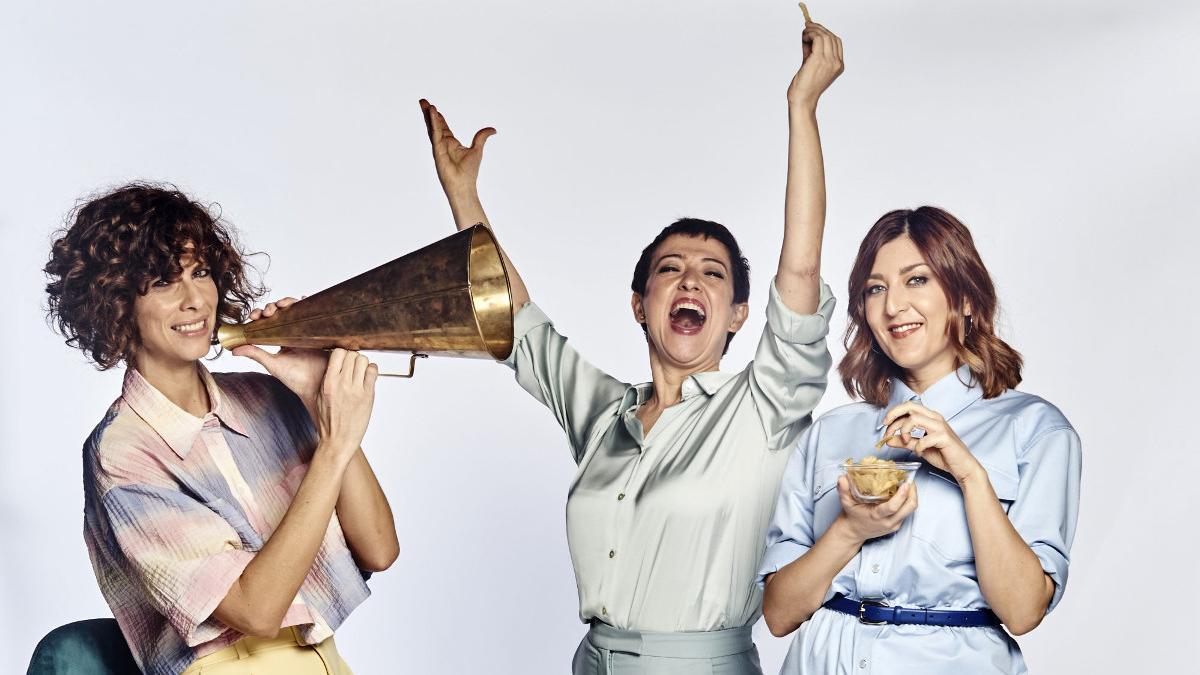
[(920, 379), (668, 379), (180, 382)]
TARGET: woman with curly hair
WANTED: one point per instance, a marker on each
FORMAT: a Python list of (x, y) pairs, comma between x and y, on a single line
[(231, 518), (893, 587)]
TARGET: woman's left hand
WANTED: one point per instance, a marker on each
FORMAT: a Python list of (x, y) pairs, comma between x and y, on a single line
[(822, 65), (939, 445), (301, 370)]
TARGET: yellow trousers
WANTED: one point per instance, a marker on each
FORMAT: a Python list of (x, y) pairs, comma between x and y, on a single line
[(281, 655)]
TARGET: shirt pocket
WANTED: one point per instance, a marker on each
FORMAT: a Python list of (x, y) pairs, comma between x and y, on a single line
[(940, 520), (827, 505)]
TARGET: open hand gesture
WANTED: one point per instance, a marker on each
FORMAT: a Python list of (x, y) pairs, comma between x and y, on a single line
[(457, 166)]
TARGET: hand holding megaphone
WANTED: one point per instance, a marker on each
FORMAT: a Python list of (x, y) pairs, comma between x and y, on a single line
[(301, 370)]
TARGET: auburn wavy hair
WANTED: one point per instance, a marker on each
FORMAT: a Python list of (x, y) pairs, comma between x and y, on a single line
[(115, 245), (947, 247)]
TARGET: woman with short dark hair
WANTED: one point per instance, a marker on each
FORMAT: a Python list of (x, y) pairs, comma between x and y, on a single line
[(677, 476), (231, 520), (890, 586)]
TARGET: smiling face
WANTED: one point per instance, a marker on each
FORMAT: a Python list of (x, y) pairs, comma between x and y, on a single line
[(908, 313), (688, 306), (175, 318)]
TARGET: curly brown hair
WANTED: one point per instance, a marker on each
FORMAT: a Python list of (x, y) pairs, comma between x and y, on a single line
[(948, 248), (115, 245)]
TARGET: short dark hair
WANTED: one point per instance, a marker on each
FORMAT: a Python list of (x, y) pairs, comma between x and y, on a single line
[(695, 227), (115, 245)]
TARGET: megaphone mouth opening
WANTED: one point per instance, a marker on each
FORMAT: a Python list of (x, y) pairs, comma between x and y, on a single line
[(491, 295)]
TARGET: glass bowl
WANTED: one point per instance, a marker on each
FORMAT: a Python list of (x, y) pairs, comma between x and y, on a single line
[(876, 482)]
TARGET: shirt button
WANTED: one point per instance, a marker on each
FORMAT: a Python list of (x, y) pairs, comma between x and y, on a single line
[(862, 663), (604, 611), (621, 496), (612, 554), (818, 490), (875, 568)]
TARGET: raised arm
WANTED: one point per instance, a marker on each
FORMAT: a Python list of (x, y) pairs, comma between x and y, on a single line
[(798, 278), (258, 600), (458, 171)]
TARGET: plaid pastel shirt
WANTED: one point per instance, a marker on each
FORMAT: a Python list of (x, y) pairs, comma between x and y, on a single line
[(176, 506)]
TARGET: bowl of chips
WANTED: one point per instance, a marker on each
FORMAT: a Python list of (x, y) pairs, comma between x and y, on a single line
[(874, 480)]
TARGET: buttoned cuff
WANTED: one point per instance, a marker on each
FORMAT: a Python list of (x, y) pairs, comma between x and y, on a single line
[(797, 328), (777, 556), (527, 318), (1054, 564)]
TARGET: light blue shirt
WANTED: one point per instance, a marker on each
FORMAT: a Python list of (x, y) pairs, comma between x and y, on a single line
[(1033, 458)]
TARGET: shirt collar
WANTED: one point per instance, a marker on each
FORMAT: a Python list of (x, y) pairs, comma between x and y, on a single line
[(706, 383), (177, 427), (947, 397)]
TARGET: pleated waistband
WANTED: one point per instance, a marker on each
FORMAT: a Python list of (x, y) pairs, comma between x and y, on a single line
[(697, 645)]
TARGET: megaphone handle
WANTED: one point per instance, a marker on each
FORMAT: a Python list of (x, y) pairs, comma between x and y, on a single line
[(412, 366)]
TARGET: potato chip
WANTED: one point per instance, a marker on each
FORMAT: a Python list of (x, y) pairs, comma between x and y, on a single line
[(874, 477)]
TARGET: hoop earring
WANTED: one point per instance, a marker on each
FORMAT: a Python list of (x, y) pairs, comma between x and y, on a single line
[(970, 323)]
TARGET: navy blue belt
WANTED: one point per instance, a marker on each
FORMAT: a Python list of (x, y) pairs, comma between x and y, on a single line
[(877, 612)]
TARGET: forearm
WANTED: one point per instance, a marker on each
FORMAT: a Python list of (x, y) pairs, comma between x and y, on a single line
[(797, 590), (366, 517), (798, 276), (1010, 576), (467, 210), (259, 599)]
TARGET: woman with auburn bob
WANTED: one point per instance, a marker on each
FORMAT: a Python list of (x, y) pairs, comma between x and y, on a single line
[(893, 587), (231, 520), (677, 476)]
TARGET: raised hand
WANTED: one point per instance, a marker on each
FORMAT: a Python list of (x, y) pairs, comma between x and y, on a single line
[(925, 432), (300, 370), (822, 65), (457, 166)]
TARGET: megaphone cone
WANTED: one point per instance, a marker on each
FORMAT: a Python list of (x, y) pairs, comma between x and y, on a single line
[(451, 298)]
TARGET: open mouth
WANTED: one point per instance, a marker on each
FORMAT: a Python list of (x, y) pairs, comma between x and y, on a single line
[(192, 329), (687, 316), (901, 331)]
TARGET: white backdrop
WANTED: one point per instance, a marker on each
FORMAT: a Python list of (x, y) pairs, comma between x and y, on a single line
[(1063, 133)]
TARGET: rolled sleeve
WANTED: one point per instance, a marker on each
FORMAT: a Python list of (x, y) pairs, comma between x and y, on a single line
[(791, 366), (185, 555), (790, 534), (801, 329), (527, 318), (550, 369), (1046, 510)]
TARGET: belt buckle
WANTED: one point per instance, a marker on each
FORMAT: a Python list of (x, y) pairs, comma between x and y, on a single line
[(862, 608)]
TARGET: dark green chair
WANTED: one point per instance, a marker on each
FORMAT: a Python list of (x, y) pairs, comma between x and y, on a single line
[(89, 647)]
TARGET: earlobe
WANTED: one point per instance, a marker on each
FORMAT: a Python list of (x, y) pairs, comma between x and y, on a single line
[(741, 312)]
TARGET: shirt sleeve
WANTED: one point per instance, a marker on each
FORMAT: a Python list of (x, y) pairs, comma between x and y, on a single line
[(556, 375), (1046, 509), (790, 534), (791, 367), (185, 555)]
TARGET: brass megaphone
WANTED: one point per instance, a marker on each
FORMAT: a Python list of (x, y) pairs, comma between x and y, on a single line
[(451, 298)]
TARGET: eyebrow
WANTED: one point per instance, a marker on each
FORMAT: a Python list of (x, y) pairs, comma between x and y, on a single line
[(903, 270), (676, 255)]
